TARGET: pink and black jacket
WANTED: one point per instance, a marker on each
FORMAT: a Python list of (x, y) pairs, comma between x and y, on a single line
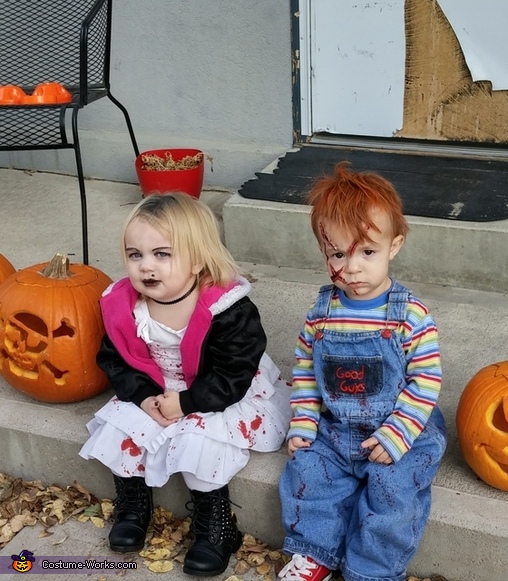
[(221, 348)]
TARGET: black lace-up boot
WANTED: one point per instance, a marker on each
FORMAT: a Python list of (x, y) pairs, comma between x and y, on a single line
[(216, 535), (133, 512)]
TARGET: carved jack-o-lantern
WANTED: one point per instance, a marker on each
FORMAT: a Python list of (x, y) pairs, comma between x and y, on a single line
[(6, 268), (50, 330), (482, 424)]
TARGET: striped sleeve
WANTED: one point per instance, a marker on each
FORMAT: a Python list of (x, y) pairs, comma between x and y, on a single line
[(423, 383), (305, 397)]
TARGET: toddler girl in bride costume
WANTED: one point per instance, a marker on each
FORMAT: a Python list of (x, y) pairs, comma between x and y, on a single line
[(195, 391)]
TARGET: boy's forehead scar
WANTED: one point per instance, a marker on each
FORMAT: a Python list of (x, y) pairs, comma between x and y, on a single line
[(332, 245), (351, 249), (325, 237)]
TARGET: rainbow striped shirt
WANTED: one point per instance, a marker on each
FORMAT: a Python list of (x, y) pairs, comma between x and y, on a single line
[(423, 372)]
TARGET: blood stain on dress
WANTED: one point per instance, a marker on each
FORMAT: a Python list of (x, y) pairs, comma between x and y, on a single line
[(246, 433), (243, 429), (199, 420), (130, 446), (256, 422)]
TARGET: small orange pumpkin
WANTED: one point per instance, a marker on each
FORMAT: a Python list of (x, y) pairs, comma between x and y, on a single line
[(482, 424), (51, 329), (6, 268)]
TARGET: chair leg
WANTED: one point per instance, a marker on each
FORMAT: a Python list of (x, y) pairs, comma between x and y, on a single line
[(128, 121), (81, 180)]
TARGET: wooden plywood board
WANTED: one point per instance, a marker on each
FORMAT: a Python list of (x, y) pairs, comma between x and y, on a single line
[(441, 101)]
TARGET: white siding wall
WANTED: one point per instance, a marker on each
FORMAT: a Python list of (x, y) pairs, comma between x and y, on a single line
[(211, 75)]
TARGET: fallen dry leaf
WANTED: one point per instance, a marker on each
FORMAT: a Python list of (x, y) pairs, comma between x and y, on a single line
[(17, 523), (107, 508), (255, 559), (5, 487), (159, 566), (97, 522), (7, 532), (155, 554), (264, 569), (257, 548), (241, 567), (249, 540), (83, 490)]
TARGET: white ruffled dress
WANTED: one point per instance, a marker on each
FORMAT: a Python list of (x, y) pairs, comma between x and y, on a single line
[(213, 446)]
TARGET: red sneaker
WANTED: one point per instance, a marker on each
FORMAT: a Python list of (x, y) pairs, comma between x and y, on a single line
[(304, 569)]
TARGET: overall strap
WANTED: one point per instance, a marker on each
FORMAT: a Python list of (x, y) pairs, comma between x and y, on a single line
[(397, 303), (322, 305)]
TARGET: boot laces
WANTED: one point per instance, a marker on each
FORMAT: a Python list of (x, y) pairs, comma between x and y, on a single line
[(131, 498), (198, 517), (304, 569), (210, 514)]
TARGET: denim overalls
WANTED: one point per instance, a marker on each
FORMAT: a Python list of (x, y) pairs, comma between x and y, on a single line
[(338, 507)]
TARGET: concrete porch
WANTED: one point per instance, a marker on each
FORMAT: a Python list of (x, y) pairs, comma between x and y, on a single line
[(468, 532)]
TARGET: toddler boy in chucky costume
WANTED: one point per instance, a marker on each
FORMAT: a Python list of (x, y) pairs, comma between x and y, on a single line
[(366, 438)]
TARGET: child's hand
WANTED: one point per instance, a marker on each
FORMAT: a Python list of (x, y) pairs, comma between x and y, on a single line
[(151, 407), (169, 405), (377, 452), (295, 443)]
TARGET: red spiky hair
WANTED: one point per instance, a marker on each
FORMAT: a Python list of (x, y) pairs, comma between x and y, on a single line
[(347, 198)]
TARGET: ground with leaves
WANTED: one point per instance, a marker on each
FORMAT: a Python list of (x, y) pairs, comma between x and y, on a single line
[(26, 503)]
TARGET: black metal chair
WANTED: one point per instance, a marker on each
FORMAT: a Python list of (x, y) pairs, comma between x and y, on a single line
[(65, 41)]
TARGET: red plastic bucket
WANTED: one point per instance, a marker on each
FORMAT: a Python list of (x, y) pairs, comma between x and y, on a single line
[(189, 181)]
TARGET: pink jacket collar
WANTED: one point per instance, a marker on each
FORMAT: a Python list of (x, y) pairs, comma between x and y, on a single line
[(117, 306)]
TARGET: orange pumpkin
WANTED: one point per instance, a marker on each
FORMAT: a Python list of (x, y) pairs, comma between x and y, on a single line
[(50, 330), (482, 424), (6, 268)]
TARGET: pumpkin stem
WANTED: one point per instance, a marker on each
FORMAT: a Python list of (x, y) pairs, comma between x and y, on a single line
[(58, 267)]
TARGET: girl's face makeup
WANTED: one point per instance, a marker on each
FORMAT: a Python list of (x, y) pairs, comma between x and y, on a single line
[(153, 267)]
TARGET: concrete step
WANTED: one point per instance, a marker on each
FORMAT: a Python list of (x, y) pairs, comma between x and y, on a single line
[(468, 530), (467, 534), (447, 252)]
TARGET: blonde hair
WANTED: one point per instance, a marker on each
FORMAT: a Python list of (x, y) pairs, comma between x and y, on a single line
[(193, 231)]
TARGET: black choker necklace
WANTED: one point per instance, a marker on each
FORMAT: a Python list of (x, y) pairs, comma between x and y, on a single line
[(179, 298)]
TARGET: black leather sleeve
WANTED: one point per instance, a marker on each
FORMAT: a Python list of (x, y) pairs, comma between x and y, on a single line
[(229, 360), (128, 384)]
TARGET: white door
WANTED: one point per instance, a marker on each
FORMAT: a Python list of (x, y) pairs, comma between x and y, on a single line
[(352, 66)]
